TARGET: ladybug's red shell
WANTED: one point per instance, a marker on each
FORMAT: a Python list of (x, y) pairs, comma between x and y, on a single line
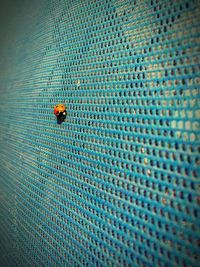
[(59, 108)]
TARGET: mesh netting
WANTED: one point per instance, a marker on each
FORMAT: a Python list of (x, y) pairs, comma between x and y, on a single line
[(116, 184)]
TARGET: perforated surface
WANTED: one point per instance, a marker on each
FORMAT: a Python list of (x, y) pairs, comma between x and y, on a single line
[(117, 184)]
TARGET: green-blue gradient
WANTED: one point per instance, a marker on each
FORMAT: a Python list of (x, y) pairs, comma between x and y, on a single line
[(116, 184)]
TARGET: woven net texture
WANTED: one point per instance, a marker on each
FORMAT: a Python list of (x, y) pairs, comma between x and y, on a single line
[(117, 183)]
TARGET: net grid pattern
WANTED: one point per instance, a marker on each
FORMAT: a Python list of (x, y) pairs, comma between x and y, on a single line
[(116, 184)]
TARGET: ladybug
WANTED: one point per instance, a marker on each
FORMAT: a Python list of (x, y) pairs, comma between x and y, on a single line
[(60, 112)]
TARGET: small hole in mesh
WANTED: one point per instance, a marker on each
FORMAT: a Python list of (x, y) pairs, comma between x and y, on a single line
[(195, 212), (194, 173)]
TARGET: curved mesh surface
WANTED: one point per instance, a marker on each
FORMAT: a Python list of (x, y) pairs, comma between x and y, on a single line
[(117, 184)]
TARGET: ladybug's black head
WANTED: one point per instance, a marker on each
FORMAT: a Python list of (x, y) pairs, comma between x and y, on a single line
[(61, 117), (62, 114)]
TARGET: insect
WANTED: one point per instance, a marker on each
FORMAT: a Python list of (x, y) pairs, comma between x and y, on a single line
[(60, 112)]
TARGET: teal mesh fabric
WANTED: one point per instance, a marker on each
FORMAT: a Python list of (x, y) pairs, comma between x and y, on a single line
[(116, 184)]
